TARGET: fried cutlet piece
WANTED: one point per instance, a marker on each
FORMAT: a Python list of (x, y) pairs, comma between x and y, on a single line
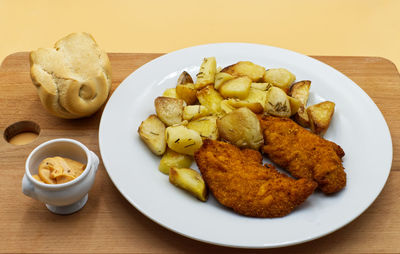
[(238, 180), (303, 154)]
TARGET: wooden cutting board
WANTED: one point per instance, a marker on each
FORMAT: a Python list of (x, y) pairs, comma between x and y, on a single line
[(109, 224)]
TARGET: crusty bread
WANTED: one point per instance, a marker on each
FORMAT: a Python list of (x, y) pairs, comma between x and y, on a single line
[(73, 79)]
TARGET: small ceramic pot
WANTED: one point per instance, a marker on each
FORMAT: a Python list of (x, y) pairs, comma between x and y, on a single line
[(67, 197)]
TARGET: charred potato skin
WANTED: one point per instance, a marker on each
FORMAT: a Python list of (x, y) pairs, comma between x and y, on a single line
[(152, 132)]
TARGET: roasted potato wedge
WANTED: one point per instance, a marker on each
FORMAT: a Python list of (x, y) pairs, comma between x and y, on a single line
[(279, 77), (277, 103), (257, 96), (193, 112), (187, 92), (206, 75), (261, 86), (295, 104), (190, 180), (226, 107), (256, 107), (183, 140), (301, 117), (152, 132), (169, 110), (245, 68), (170, 92), (320, 116), (236, 88), (241, 127), (301, 90), (220, 78), (205, 126), (173, 159), (184, 78), (210, 98)]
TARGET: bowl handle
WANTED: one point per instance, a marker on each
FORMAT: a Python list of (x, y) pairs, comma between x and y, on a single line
[(28, 188), (96, 161)]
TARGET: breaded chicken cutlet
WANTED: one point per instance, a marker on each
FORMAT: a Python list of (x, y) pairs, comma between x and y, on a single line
[(303, 154), (238, 180)]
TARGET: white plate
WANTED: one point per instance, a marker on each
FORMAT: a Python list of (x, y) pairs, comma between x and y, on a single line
[(357, 126)]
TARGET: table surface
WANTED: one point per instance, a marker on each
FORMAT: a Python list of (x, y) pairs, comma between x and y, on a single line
[(108, 223)]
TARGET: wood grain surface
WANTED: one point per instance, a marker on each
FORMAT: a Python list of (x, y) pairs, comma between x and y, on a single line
[(109, 224)]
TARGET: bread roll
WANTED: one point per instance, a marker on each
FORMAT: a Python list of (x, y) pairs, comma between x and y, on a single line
[(73, 79)]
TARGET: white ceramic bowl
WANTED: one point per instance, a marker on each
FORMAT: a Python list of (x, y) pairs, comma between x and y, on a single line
[(67, 197)]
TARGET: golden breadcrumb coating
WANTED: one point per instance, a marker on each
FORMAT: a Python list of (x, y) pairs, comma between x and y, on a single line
[(303, 154), (238, 180)]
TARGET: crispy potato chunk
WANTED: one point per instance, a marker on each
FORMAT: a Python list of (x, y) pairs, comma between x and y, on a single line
[(173, 159), (279, 77), (190, 180), (170, 92), (320, 116), (152, 132), (183, 140), (205, 126), (187, 92), (261, 86), (210, 98), (241, 127), (236, 88), (226, 107), (256, 107), (295, 104), (301, 90), (245, 68), (257, 96), (193, 112), (169, 110), (301, 117), (184, 78), (277, 103), (220, 78), (206, 75)]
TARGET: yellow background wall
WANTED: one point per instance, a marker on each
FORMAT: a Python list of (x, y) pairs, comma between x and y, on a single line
[(312, 27)]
